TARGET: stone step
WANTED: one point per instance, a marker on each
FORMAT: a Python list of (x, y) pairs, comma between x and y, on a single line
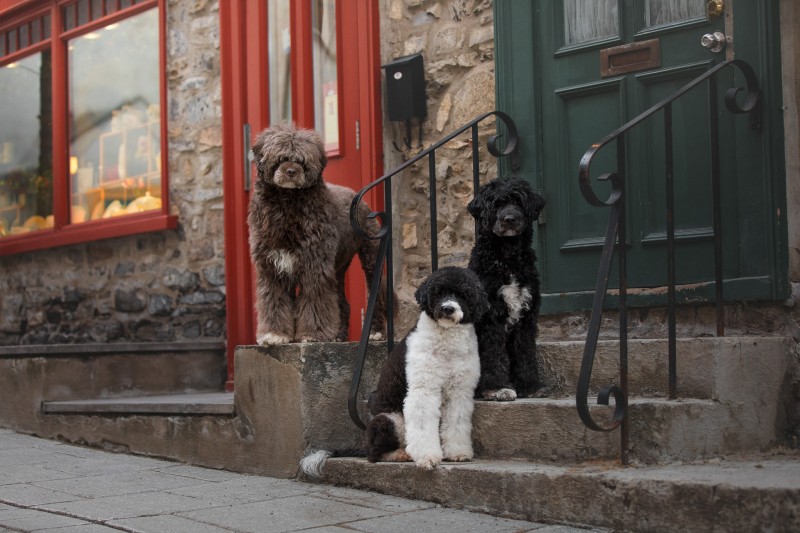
[(209, 403), (660, 431), (742, 495), (704, 366), (79, 371)]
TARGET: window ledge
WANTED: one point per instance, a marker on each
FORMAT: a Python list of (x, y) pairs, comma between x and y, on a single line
[(87, 232)]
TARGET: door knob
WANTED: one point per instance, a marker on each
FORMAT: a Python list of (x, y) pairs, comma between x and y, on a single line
[(714, 41), (714, 8)]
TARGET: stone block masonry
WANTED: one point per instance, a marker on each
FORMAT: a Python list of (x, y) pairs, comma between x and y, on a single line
[(456, 39)]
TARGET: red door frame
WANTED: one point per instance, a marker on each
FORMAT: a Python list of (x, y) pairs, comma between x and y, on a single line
[(243, 49)]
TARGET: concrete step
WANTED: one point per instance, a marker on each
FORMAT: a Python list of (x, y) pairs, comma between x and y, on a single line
[(32, 373), (742, 495), (661, 431), (210, 403), (705, 365)]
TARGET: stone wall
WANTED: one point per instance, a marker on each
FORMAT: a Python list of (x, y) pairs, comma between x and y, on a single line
[(456, 39), (160, 286)]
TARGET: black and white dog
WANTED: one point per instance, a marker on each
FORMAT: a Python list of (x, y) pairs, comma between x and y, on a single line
[(422, 408), (506, 210)]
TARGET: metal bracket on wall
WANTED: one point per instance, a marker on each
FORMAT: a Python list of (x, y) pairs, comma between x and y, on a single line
[(249, 157)]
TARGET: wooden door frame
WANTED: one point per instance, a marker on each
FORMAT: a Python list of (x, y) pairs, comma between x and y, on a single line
[(519, 93), (244, 70)]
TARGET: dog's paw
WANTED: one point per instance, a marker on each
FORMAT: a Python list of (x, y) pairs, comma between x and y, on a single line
[(272, 338), (459, 458), (397, 456), (376, 336), (427, 462), (500, 395)]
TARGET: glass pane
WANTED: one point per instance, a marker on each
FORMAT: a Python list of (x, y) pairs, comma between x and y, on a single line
[(280, 48), (326, 86), (115, 112), (587, 20), (26, 147), (659, 12)]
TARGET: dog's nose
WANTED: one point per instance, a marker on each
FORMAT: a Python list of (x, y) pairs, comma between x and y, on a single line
[(509, 219), (448, 310), (291, 172)]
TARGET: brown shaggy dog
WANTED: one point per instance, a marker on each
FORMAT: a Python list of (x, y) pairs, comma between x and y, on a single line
[(301, 242)]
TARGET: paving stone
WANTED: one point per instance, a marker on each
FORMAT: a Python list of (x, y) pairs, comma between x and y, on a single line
[(247, 489), (284, 514), (27, 494), (30, 519), (443, 521), (143, 504), (117, 484), (168, 523)]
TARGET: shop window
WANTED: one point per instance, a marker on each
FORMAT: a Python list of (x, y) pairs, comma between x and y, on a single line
[(26, 149), (115, 110), (81, 147)]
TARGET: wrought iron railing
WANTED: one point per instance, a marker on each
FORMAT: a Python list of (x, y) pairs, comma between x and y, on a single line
[(615, 238), (385, 232)]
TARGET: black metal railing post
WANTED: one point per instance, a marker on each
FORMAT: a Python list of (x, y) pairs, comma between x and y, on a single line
[(385, 233), (616, 230), (671, 279), (432, 196)]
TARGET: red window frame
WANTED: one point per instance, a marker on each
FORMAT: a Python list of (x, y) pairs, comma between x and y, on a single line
[(15, 12)]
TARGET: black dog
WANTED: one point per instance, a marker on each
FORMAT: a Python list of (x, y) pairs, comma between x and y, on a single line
[(506, 210)]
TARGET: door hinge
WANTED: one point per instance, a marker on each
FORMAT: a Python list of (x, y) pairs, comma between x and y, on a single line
[(249, 157), (358, 135)]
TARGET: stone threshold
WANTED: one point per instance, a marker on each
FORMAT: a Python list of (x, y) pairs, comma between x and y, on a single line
[(107, 348), (204, 403)]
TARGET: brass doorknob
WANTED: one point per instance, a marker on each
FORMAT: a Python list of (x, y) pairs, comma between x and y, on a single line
[(714, 8)]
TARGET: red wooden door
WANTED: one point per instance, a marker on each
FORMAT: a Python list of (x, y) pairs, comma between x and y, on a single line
[(316, 63)]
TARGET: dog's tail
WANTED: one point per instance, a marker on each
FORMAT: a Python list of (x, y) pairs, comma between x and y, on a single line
[(312, 464)]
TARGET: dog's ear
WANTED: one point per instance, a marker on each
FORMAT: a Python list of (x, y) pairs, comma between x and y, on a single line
[(315, 158), (532, 202), (421, 294), (258, 150), (536, 203), (478, 301), (476, 205)]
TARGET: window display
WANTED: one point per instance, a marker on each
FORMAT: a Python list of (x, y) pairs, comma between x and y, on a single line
[(115, 129), (26, 150)]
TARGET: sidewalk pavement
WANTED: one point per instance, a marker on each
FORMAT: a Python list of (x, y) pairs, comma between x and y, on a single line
[(59, 488)]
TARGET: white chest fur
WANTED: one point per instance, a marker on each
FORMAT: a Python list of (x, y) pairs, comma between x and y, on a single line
[(283, 260), (518, 299), (442, 353)]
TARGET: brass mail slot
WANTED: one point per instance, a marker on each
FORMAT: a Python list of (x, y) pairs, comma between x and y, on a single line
[(630, 57)]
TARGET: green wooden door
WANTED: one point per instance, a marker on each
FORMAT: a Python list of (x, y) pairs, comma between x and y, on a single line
[(552, 80)]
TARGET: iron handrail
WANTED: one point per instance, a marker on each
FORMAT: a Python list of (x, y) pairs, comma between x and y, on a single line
[(385, 233), (615, 232)]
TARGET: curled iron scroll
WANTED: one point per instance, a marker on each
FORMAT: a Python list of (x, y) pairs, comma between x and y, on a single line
[(751, 101)]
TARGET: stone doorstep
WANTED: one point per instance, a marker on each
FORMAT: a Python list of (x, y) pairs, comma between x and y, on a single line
[(704, 365), (208, 403), (109, 348), (550, 429), (758, 493)]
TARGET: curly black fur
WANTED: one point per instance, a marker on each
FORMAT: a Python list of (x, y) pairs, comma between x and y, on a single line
[(506, 210)]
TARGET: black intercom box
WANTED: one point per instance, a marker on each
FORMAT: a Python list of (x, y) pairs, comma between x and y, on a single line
[(405, 88)]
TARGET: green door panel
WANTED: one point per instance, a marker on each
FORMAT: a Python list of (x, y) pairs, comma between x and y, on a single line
[(549, 80)]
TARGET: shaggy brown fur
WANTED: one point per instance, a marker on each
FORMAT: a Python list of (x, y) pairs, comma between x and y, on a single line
[(301, 242)]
